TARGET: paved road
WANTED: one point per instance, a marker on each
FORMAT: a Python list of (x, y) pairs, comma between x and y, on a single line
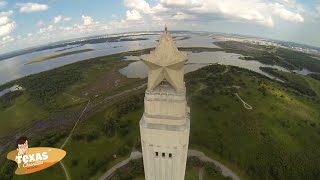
[(191, 153), (109, 173), (225, 170)]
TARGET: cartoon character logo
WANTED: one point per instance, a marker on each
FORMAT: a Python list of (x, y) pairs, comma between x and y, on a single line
[(22, 145), (31, 160)]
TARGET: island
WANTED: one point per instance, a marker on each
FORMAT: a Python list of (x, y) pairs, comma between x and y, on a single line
[(44, 58)]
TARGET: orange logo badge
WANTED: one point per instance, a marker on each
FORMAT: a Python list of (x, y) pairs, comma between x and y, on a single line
[(31, 160)]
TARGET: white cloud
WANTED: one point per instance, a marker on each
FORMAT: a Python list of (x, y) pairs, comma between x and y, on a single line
[(47, 29), (66, 19), (182, 16), (88, 26), (6, 13), (3, 3), (4, 20), (87, 20), (204, 10), (5, 40), (50, 32), (133, 15), (250, 10), (285, 14), (6, 24), (182, 3), (173, 12), (6, 27), (256, 11), (67, 28), (59, 18), (140, 5), (31, 7)]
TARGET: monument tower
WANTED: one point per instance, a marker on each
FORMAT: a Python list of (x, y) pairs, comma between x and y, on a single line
[(165, 124)]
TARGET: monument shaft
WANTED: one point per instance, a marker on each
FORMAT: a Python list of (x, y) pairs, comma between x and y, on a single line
[(165, 124)]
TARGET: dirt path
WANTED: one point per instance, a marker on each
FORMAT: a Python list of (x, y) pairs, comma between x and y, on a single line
[(121, 93), (75, 125), (245, 105), (191, 153), (66, 173)]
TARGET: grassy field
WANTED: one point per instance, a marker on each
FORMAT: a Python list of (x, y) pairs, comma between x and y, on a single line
[(103, 145), (44, 58), (303, 85), (313, 84), (20, 115), (275, 140), (192, 173), (55, 172)]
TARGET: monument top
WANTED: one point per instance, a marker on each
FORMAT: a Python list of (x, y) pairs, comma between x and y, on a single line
[(166, 62)]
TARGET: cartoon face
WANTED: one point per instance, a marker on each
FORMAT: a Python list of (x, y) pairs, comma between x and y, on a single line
[(22, 148)]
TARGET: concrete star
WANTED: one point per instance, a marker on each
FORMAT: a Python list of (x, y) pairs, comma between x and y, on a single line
[(172, 73), (166, 63)]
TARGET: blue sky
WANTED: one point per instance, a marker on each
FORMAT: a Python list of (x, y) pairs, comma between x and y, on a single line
[(30, 23)]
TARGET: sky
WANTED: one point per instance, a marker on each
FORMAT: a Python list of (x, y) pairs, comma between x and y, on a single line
[(25, 24)]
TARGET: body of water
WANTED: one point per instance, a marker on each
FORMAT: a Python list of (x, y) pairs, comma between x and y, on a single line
[(13, 88), (196, 61), (16, 67)]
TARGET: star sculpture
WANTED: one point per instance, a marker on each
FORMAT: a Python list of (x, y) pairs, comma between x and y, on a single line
[(166, 62)]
